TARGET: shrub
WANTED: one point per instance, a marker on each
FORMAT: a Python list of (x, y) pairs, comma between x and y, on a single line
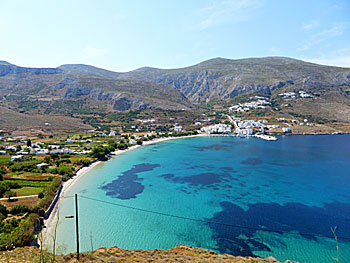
[(17, 209), (54, 156), (22, 235), (3, 210), (65, 155), (49, 195), (4, 187), (85, 162), (2, 170), (10, 194), (41, 195), (13, 185)]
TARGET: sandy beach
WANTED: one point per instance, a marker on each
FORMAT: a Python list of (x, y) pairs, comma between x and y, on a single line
[(50, 223)]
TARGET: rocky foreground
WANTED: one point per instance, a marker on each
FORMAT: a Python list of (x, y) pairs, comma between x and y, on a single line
[(179, 253)]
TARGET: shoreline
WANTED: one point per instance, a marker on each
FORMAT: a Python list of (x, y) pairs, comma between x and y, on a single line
[(49, 223)]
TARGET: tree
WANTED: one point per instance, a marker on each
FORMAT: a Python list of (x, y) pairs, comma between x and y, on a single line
[(10, 194), (29, 143), (54, 156), (47, 159), (18, 148), (3, 210)]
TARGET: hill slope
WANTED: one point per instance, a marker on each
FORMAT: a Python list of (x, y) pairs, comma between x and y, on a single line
[(79, 81), (225, 78), (179, 253), (82, 88)]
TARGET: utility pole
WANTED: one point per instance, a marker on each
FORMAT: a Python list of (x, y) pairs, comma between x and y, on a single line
[(76, 224)]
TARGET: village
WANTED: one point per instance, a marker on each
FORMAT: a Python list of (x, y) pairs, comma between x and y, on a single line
[(33, 167)]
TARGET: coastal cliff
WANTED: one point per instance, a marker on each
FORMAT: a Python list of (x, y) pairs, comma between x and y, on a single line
[(180, 253)]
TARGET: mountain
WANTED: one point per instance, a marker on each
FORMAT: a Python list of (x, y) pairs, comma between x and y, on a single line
[(226, 78), (81, 81), (84, 89)]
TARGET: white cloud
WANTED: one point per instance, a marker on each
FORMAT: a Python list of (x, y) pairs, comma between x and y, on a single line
[(312, 25), (223, 12), (322, 36), (92, 52), (339, 57), (338, 61)]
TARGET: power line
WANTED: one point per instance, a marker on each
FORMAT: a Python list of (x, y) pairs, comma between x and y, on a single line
[(207, 221)]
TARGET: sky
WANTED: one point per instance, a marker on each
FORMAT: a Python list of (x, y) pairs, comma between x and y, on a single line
[(129, 34)]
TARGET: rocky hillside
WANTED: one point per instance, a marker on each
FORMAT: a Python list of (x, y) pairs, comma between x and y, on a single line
[(225, 78), (72, 82), (171, 88), (180, 253), (78, 91)]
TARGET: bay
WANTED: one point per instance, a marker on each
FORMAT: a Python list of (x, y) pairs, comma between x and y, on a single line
[(267, 198)]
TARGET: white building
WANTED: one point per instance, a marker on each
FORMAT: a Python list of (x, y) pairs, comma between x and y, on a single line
[(177, 128), (17, 157), (286, 130), (42, 152), (69, 140), (112, 133), (244, 132), (132, 142), (217, 128), (273, 126), (68, 151), (56, 151), (41, 165)]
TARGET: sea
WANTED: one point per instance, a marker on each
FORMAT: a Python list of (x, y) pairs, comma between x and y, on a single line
[(242, 196)]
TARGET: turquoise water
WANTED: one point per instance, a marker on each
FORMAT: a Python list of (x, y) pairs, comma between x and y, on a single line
[(270, 198)]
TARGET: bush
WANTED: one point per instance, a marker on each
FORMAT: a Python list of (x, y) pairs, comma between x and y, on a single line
[(22, 235), (27, 166), (50, 178), (122, 146), (10, 194), (13, 185), (17, 209), (41, 195), (3, 210), (49, 195), (62, 170), (85, 162), (2, 170), (4, 187), (54, 156), (65, 155)]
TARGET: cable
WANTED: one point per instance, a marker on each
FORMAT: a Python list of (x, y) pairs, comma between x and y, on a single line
[(69, 196), (209, 222)]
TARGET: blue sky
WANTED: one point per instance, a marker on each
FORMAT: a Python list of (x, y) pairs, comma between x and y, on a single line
[(125, 35)]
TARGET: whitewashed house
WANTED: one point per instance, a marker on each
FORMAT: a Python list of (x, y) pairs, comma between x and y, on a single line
[(17, 157)]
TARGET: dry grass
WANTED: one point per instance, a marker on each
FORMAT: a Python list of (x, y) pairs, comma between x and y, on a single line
[(180, 253), (31, 202)]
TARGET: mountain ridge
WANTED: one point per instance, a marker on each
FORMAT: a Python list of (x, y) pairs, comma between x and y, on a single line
[(218, 80)]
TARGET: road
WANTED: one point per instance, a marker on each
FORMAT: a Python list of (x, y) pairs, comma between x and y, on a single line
[(232, 121), (19, 197)]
